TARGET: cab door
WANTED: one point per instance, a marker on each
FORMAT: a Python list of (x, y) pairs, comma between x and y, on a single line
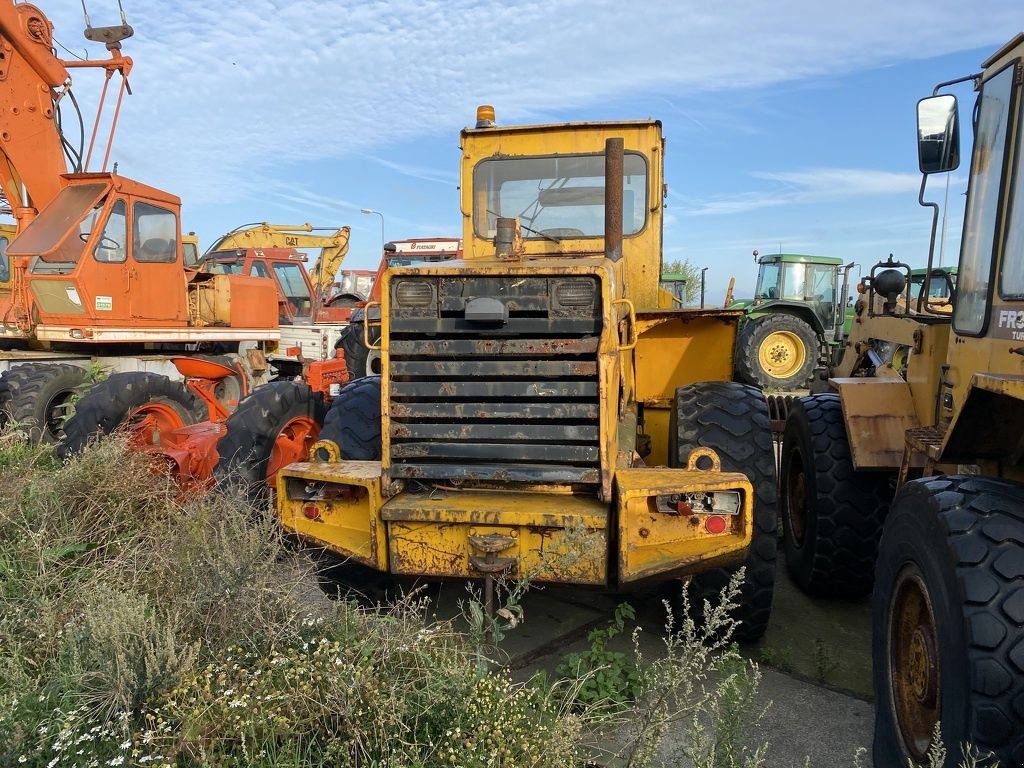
[(157, 293), (105, 278)]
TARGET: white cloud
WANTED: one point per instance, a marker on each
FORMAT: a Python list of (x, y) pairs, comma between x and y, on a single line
[(813, 185), (227, 93)]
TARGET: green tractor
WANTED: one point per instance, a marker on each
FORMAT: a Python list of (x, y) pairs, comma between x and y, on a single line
[(799, 314)]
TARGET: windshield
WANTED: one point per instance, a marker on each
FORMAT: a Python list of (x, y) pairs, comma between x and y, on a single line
[(59, 232), (978, 241), (294, 287), (768, 281), (556, 197), (231, 265), (5, 264), (939, 288)]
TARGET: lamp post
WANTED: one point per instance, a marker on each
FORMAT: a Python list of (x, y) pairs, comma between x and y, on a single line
[(370, 211)]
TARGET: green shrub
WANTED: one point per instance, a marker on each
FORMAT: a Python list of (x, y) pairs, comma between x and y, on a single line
[(604, 678)]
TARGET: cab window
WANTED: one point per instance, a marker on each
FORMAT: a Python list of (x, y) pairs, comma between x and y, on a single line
[(556, 197), (5, 263), (190, 253), (111, 245), (768, 280), (155, 232), (1012, 269), (794, 284), (979, 235), (289, 276)]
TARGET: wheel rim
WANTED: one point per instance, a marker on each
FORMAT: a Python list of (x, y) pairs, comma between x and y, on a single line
[(796, 498), (55, 411), (149, 421), (914, 664), (292, 444), (781, 354)]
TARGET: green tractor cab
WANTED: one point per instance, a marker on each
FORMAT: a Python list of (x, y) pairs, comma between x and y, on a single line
[(799, 314)]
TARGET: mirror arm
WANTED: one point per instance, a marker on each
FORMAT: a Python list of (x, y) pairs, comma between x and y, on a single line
[(935, 226), (975, 77)]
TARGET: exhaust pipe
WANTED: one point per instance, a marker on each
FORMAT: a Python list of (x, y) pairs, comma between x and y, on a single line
[(613, 179)]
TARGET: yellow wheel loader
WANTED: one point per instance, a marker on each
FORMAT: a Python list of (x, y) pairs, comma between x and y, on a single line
[(541, 413), (907, 477)]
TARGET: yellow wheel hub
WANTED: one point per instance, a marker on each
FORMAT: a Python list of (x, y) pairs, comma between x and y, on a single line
[(781, 354)]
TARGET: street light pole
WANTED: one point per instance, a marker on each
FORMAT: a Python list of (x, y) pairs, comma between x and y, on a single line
[(370, 211)]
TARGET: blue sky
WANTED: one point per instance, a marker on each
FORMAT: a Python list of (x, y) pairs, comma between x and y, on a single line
[(788, 123)]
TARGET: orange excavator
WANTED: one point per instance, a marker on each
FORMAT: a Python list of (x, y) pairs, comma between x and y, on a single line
[(97, 271)]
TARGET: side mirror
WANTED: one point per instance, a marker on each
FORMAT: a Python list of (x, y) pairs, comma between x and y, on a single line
[(938, 134)]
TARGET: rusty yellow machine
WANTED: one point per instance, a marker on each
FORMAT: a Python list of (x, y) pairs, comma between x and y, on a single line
[(930, 404), (538, 414)]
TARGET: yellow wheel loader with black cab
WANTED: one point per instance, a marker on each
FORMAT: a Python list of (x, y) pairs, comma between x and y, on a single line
[(908, 476), (538, 414)]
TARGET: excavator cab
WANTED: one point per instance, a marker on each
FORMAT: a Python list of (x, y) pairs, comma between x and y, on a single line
[(104, 252)]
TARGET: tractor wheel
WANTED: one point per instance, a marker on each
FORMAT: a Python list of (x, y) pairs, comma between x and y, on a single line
[(353, 422), (142, 404), (360, 360), (39, 396), (274, 426), (777, 350), (831, 513), (947, 619), (732, 420)]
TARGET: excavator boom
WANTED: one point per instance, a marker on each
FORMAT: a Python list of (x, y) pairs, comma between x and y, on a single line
[(33, 83), (333, 247), (33, 161)]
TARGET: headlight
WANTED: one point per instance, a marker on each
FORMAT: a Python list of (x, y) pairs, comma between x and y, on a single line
[(413, 293), (575, 293)]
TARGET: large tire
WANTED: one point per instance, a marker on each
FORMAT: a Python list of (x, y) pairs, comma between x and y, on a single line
[(274, 426), (39, 396), (145, 403), (732, 420), (831, 514), (353, 422), (778, 350), (948, 621), (359, 359)]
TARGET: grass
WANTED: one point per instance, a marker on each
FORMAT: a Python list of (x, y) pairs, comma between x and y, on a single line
[(137, 630)]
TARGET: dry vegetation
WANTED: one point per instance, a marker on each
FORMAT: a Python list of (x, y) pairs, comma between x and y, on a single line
[(138, 630)]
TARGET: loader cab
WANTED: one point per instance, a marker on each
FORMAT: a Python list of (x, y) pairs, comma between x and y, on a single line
[(982, 393), (551, 180)]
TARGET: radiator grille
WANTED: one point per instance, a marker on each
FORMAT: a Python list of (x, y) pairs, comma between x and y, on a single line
[(509, 401)]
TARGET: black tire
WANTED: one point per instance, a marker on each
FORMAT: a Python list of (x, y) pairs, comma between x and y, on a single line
[(732, 420), (38, 397), (353, 422), (831, 514), (114, 401), (793, 372), (247, 448), (359, 359), (345, 300), (954, 545)]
